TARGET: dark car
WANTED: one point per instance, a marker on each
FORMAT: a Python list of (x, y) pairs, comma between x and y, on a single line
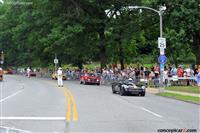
[(89, 78), (127, 86)]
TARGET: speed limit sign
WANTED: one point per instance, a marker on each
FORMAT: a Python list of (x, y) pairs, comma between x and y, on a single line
[(55, 61), (161, 42)]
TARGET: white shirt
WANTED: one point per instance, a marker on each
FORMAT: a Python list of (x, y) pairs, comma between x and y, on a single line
[(59, 72), (28, 70)]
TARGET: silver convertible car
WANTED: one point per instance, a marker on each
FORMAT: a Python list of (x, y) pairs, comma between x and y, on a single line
[(124, 87)]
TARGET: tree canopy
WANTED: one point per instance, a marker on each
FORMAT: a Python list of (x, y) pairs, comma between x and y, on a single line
[(80, 31)]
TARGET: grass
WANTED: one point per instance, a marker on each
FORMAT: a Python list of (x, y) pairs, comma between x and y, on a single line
[(181, 97), (188, 89)]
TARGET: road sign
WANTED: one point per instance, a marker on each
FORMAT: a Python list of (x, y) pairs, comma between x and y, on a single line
[(161, 42), (55, 61), (162, 59)]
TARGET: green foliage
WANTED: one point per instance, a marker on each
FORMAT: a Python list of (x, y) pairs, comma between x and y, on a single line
[(79, 32)]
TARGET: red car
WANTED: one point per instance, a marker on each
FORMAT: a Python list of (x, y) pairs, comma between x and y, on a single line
[(32, 74), (89, 78)]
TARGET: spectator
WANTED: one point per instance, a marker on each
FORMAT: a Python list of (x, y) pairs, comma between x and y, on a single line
[(198, 77), (189, 72), (179, 72), (173, 70), (165, 75), (151, 75), (156, 70)]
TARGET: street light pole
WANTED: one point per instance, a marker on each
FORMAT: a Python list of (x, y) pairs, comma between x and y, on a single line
[(160, 12), (161, 34)]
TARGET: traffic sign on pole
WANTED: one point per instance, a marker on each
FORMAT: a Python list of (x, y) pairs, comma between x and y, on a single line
[(162, 59), (55, 61), (161, 42)]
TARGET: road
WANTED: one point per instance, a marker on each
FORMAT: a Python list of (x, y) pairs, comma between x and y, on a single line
[(38, 105)]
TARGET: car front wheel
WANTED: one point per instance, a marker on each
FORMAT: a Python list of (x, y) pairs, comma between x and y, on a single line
[(122, 92), (113, 90), (142, 94)]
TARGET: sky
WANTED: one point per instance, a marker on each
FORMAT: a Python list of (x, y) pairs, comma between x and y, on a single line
[(1, 1)]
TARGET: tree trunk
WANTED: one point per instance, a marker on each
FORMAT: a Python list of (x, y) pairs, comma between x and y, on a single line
[(196, 46), (80, 65), (121, 56), (102, 46)]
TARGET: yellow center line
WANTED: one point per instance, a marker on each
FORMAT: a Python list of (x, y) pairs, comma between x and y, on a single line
[(68, 113), (70, 100), (75, 113)]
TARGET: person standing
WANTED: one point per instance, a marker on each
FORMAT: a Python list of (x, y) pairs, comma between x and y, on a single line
[(59, 73), (198, 76), (28, 72), (165, 75), (180, 72)]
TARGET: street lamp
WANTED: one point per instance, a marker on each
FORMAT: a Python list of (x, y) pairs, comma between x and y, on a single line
[(161, 40), (160, 12)]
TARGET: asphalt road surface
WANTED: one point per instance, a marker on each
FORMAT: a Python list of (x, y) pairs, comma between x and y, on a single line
[(38, 105)]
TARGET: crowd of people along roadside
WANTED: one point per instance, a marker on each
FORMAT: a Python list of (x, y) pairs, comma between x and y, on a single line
[(137, 73), (149, 74)]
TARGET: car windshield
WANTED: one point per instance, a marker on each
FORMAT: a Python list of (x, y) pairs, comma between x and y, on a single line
[(128, 82), (90, 74)]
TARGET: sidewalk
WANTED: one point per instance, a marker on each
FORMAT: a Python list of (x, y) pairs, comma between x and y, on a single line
[(156, 90)]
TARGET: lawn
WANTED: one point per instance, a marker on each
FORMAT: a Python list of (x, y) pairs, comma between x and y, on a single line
[(189, 89), (181, 97)]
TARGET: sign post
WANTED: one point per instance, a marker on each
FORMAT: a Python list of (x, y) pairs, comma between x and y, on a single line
[(55, 62), (162, 59)]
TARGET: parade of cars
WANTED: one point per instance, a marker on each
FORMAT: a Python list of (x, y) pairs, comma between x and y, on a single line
[(127, 86), (89, 78)]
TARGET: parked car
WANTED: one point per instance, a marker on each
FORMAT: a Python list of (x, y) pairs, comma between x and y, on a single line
[(127, 86), (89, 78), (32, 74), (54, 76), (8, 71)]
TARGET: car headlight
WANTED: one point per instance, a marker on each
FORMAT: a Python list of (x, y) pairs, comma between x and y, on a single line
[(143, 87)]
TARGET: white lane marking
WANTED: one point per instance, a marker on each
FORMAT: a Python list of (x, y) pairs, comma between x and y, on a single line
[(152, 112), (2, 100), (34, 118), (15, 129), (1, 110)]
